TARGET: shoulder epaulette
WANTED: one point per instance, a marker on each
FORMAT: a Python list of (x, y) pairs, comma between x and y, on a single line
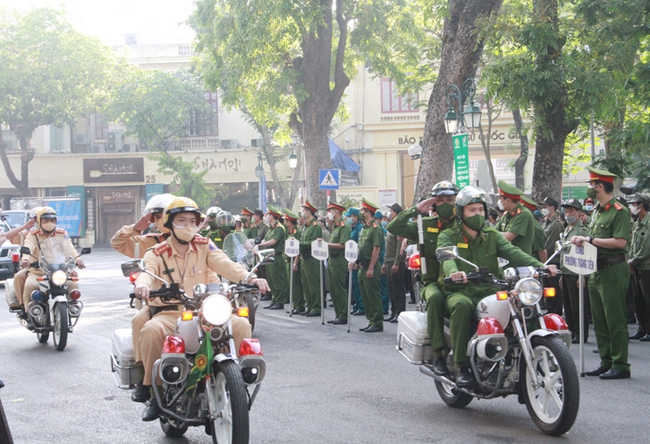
[(618, 206), (60, 230), (341, 224), (162, 249), (518, 211), (200, 240), (374, 225)]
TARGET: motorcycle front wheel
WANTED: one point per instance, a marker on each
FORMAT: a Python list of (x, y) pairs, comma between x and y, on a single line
[(228, 405), (553, 404), (43, 337), (60, 328)]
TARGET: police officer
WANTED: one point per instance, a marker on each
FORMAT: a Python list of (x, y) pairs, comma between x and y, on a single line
[(217, 225), (293, 264), (394, 267), (337, 265), (481, 246), (184, 258), (609, 231), (311, 230), (259, 228), (17, 236), (245, 217), (553, 228), (369, 267), (539, 244), (276, 271), (383, 280), (517, 225), (443, 195), (570, 289), (639, 261), (355, 225)]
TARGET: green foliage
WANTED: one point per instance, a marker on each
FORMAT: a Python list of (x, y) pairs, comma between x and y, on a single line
[(348, 202), (576, 153), (185, 182)]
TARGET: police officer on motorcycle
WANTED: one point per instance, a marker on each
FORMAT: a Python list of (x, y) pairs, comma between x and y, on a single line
[(481, 246)]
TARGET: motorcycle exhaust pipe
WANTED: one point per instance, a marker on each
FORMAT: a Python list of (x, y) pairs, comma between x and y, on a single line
[(75, 309), (36, 310), (427, 371)]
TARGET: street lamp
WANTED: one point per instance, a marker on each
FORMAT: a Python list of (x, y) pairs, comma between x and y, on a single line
[(259, 169), (293, 160), (470, 116), (259, 173)]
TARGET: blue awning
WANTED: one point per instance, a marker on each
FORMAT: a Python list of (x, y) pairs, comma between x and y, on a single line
[(341, 160)]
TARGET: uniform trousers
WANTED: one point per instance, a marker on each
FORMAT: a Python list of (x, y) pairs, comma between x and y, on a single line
[(337, 271), (276, 274), (19, 284), (435, 305), (298, 294), (607, 290), (462, 309), (642, 299), (138, 321), (311, 283), (163, 324), (370, 296), (571, 296), (396, 288), (356, 293)]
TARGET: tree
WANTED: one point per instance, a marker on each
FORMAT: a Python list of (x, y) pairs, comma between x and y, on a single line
[(50, 75), (159, 108)]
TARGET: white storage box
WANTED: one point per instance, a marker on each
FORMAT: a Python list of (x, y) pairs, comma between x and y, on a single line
[(123, 365), (10, 294), (412, 336)]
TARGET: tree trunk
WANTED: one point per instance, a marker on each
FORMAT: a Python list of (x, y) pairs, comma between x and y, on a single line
[(520, 163), (268, 155), (26, 156), (461, 50)]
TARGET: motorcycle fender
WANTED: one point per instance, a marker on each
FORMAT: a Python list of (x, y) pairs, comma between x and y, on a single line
[(55, 300), (221, 357), (566, 338)]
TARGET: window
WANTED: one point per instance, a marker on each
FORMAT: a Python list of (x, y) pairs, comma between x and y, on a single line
[(391, 102), (201, 125), (100, 127)]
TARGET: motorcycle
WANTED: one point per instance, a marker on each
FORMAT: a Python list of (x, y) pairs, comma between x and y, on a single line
[(240, 249), (205, 381), (514, 350), (53, 308), (5, 433)]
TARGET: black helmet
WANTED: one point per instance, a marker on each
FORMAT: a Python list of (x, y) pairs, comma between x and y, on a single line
[(444, 188)]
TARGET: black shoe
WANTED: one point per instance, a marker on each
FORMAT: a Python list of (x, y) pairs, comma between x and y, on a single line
[(277, 307), (464, 377), (575, 341), (615, 373), (295, 311), (411, 302), (269, 306), (359, 313), (338, 321), (638, 335), (365, 328), (152, 412), (394, 321), (599, 371), (312, 314), (266, 298), (390, 319), (303, 312), (440, 366), (142, 393), (646, 338), (374, 329)]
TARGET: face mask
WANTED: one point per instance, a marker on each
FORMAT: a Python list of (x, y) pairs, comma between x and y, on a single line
[(384, 223), (213, 225), (266, 220), (348, 220), (571, 219), (184, 234), (244, 220), (634, 209), (475, 222), (330, 216), (591, 192), (500, 205), (48, 226), (589, 207), (445, 210), (545, 212), (305, 214)]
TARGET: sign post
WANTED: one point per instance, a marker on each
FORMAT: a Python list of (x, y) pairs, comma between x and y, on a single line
[(351, 255), (320, 250), (581, 261), (291, 249), (461, 159)]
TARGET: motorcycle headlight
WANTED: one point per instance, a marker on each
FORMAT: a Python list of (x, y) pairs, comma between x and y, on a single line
[(217, 309), (528, 291), (59, 277)]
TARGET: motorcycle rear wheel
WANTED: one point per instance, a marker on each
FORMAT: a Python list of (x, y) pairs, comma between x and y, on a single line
[(553, 407), (228, 403), (60, 330), (43, 337), (451, 397), (172, 431)]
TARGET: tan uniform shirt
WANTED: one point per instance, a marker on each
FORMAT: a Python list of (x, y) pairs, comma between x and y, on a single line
[(35, 237)]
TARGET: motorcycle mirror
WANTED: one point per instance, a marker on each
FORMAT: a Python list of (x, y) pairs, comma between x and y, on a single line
[(563, 247), (130, 267), (25, 250), (85, 250), (447, 253)]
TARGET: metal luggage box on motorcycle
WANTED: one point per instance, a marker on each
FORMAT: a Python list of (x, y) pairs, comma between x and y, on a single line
[(123, 359), (412, 336)]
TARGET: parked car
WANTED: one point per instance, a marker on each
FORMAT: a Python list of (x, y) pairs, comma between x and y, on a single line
[(15, 218), (6, 267)]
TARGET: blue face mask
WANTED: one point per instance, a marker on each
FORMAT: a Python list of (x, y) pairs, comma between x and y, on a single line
[(384, 223), (348, 220)]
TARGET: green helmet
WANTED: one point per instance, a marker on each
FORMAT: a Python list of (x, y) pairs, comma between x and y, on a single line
[(444, 188), (469, 195)]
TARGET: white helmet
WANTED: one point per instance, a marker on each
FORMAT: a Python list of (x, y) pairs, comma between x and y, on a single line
[(213, 211), (158, 203)]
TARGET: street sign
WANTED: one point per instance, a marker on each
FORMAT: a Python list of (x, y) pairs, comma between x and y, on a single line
[(581, 260), (351, 251), (329, 179), (292, 247), (319, 249), (461, 159)]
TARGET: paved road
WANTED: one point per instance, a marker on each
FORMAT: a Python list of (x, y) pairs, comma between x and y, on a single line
[(323, 385)]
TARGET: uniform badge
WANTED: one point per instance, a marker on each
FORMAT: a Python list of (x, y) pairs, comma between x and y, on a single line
[(432, 230), (462, 245)]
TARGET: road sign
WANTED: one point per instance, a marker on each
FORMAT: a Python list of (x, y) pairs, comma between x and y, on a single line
[(319, 249), (292, 247), (461, 159), (351, 251), (329, 179), (581, 260)]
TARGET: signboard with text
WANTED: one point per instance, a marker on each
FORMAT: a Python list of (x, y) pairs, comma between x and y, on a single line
[(112, 170), (461, 159), (581, 260)]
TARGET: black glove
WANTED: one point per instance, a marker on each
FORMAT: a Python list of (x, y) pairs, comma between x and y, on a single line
[(258, 241)]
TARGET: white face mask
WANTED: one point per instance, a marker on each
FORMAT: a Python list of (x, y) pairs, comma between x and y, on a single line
[(305, 214), (330, 216), (186, 233), (48, 226), (635, 209), (571, 219), (500, 205), (546, 212)]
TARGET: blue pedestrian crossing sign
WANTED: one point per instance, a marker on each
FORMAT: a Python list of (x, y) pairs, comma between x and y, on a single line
[(329, 179)]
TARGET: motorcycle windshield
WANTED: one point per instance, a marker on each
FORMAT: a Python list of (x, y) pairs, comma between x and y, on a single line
[(237, 247), (55, 254)]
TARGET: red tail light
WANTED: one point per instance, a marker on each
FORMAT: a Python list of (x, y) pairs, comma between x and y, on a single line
[(489, 326), (250, 347), (75, 294), (414, 261), (173, 344), (555, 322), (15, 257)]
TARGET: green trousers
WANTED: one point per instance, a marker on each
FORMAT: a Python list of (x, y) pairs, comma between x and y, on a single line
[(371, 297), (298, 294), (337, 270), (435, 300), (462, 310), (607, 290), (311, 283), (276, 274)]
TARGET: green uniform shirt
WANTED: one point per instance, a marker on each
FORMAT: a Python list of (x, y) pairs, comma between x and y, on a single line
[(640, 246), (340, 235), (576, 230), (432, 227), (279, 233), (521, 222), (483, 251), (259, 231), (539, 243), (553, 229), (311, 231), (393, 247), (610, 221), (371, 236)]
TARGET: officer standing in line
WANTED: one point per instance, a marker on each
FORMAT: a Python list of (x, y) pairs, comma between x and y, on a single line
[(369, 268), (394, 268), (552, 229), (293, 265), (570, 289), (337, 269), (311, 230), (539, 244), (245, 218), (639, 261), (442, 200), (276, 271), (609, 231), (517, 225), (383, 280), (355, 225)]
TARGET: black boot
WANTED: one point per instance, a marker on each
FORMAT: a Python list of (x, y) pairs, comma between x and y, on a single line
[(142, 393), (440, 366), (464, 377), (152, 411)]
